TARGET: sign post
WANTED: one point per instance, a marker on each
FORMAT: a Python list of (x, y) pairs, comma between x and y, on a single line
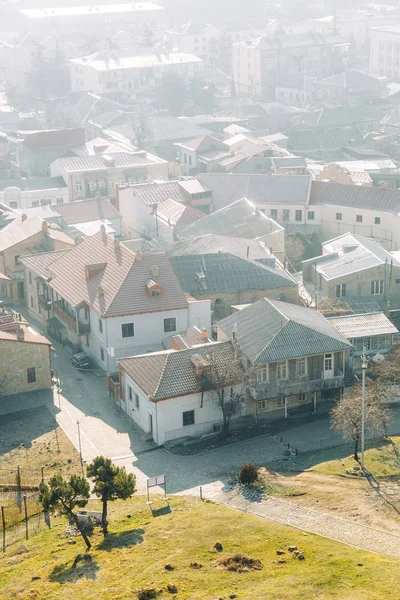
[(160, 480)]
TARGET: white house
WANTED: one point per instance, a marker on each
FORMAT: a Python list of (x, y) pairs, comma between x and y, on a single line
[(171, 394), (108, 301), (33, 192)]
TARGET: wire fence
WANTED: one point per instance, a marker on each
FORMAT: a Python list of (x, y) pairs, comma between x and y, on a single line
[(21, 477), (21, 519)]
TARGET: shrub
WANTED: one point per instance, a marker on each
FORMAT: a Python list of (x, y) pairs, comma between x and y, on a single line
[(248, 474)]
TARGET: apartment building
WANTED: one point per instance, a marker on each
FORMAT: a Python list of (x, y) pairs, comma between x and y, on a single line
[(384, 60), (260, 64), (32, 192), (129, 74), (89, 176), (193, 38), (108, 301)]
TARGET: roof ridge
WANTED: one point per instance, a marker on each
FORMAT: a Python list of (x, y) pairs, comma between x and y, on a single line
[(270, 342), (162, 374), (123, 280)]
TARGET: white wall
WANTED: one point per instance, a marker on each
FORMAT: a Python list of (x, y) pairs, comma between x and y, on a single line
[(200, 314), (20, 199)]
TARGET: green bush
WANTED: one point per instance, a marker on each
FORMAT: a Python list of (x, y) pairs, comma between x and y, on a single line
[(248, 474)]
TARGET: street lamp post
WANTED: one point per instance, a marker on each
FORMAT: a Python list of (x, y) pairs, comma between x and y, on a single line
[(80, 446), (363, 369)]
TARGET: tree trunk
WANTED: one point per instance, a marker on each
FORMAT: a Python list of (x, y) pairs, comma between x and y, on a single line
[(79, 528), (356, 449), (225, 427), (104, 516)]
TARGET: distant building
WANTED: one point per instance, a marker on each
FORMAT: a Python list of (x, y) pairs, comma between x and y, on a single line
[(385, 52), (192, 38), (88, 176), (33, 192), (260, 64), (129, 74)]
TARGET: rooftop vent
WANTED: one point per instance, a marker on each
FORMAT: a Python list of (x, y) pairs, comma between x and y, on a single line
[(202, 365), (155, 270), (109, 161), (92, 270), (349, 248)]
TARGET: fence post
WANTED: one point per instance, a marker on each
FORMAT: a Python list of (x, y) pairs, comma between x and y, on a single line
[(19, 478), (26, 519), (42, 474), (3, 523)]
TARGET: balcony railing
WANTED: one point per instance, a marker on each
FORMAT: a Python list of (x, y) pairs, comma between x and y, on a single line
[(44, 302), (262, 390), (70, 322)]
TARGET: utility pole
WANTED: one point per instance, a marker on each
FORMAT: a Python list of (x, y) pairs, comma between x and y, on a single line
[(80, 447), (363, 368)]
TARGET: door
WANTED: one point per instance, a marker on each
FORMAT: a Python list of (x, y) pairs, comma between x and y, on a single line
[(151, 423), (328, 366), (21, 293)]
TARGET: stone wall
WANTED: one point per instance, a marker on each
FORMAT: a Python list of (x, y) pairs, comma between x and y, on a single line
[(16, 358)]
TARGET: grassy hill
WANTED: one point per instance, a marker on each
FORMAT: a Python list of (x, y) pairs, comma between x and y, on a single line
[(134, 555)]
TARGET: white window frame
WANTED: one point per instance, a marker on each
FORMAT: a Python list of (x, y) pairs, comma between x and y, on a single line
[(301, 367), (169, 319), (78, 186), (262, 374), (281, 367), (261, 404), (328, 360), (377, 287), (341, 290)]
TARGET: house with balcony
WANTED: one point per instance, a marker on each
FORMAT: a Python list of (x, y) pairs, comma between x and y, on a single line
[(294, 357), (104, 299), (99, 174)]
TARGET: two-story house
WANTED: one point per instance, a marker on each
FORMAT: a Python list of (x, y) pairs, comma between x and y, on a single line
[(103, 298), (294, 357), (26, 236), (353, 267), (88, 176)]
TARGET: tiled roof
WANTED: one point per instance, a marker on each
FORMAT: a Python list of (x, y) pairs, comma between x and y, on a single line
[(339, 116), (212, 244), (223, 273), (34, 183), (186, 339), (84, 211), (170, 374), (162, 128), (40, 263), (30, 336), (352, 80), (192, 186), (99, 162), (239, 219), (350, 253), (18, 231), (315, 140), (178, 214), (269, 330), (158, 191), (110, 61), (365, 325), (292, 40), (339, 194), (229, 187), (119, 288)]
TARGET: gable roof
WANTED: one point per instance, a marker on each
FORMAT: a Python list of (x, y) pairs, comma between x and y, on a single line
[(39, 263), (211, 243), (177, 214), (223, 273), (101, 162), (31, 336), (170, 373), (350, 253), (229, 187), (84, 211), (186, 339), (340, 194), (352, 80), (119, 287), (365, 325), (239, 219), (55, 137), (270, 330), (19, 230)]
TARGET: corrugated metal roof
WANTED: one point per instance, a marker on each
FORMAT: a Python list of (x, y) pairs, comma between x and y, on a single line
[(365, 325), (340, 194), (178, 214), (170, 374), (269, 330), (212, 243), (101, 162)]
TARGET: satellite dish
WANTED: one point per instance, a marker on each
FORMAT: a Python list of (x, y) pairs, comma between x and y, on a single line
[(378, 358)]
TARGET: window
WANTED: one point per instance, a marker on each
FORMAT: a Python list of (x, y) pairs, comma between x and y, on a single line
[(281, 370), (128, 330), (261, 404), (301, 367), (190, 160), (262, 374), (397, 281), (299, 215), (286, 214), (358, 218), (274, 214), (136, 397), (169, 325), (377, 221), (188, 417), (30, 276), (339, 216), (78, 186), (121, 181), (16, 259), (45, 201), (130, 393), (92, 186), (328, 362), (60, 200), (155, 293), (13, 204), (32, 302), (341, 290), (185, 157), (377, 287), (110, 184), (35, 203), (100, 326), (101, 184), (87, 341), (31, 375), (102, 354), (310, 215), (280, 402)]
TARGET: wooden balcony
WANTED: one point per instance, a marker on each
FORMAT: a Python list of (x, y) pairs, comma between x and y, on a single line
[(279, 389), (70, 322)]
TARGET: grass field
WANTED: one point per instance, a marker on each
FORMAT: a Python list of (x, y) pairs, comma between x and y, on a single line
[(134, 556)]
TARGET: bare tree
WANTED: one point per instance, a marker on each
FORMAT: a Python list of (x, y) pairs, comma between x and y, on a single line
[(140, 130), (346, 417), (388, 370), (225, 379), (294, 250)]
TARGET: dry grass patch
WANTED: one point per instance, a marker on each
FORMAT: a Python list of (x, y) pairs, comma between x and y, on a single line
[(239, 563)]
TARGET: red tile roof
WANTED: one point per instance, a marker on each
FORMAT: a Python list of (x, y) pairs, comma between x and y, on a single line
[(84, 211)]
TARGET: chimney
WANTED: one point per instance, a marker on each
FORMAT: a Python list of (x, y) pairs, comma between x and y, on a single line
[(155, 271), (204, 334), (23, 217), (139, 256), (100, 291), (248, 251), (44, 226), (103, 229), (116, 243), (20, 334)]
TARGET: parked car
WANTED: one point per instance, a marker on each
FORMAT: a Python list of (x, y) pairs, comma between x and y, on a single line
[(81, 361)]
